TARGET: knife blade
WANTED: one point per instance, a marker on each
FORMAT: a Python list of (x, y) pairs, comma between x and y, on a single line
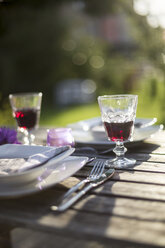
[(69, 201)]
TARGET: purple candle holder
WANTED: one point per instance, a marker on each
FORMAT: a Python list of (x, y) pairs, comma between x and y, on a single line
[(60, 137)]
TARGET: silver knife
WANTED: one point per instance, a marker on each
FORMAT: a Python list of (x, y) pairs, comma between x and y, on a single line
[(68, 201)]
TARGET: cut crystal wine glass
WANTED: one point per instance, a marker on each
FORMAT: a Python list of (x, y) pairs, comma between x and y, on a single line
[(118, 114), (26, 111)]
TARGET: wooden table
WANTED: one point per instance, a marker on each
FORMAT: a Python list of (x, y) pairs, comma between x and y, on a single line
[(126, 211)]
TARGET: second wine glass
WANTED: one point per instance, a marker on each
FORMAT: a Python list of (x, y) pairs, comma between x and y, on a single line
[(118, 113), (26, 111)]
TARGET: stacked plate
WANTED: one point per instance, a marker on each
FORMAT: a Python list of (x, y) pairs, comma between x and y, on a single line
[(39, 178), (92, 132)]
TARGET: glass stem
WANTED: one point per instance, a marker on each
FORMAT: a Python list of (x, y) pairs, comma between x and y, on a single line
[(29, 137), (119, 150)]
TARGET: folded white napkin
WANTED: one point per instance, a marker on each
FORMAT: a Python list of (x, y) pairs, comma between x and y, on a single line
[(21, 151), (18, 158)]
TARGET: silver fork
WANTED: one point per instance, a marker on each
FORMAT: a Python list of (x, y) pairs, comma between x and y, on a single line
[(95, 173)]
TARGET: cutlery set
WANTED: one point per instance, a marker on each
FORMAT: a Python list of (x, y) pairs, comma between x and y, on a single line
[(96, 177)]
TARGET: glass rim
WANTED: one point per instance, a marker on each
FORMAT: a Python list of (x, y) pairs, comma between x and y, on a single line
[(25, 94), (118, 96), (59, 129)]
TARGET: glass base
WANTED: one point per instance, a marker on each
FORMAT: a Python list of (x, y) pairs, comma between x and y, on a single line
[(120, 163), (29, 140)]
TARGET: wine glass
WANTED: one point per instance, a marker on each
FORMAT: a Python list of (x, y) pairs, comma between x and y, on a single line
[(118, 113), (26, 110)]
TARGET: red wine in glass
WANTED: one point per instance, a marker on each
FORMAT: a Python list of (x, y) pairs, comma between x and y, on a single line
[(26, 117), (118, 131)]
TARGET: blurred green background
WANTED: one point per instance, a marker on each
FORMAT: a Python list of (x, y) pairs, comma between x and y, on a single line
[(73, 51)]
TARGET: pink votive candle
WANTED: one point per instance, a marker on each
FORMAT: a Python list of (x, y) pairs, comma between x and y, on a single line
[(60, 137)]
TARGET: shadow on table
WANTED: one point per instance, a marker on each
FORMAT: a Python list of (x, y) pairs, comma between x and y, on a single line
[(62, 229), (100, 202), (143, 147), (94, 231)]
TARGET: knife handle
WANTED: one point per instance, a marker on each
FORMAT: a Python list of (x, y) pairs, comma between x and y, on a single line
[(81, 183), (67, 203), (75, 187)]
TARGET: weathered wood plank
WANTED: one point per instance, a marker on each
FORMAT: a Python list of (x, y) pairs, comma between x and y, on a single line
[(99, 202), (136, 174), (26, 238), (144, 157), (141, 177), (38, 204), (103, 228), (133, 190), (123, 207), (140, 166), (149, 148), (149, 166), (148, 157), (125, 189), (141, 157)]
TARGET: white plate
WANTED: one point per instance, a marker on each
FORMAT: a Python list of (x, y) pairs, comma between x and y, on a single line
[(49, 177), (92, 123), (99, 137), (30, 175)]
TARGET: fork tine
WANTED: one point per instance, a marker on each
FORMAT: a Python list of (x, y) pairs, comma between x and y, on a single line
[(94, 168), (102, 168), (98, 170)]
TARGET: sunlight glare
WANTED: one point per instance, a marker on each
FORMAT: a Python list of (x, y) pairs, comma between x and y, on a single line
[(153, 9)]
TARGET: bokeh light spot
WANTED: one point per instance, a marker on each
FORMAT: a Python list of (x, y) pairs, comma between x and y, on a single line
[(96, 62)]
